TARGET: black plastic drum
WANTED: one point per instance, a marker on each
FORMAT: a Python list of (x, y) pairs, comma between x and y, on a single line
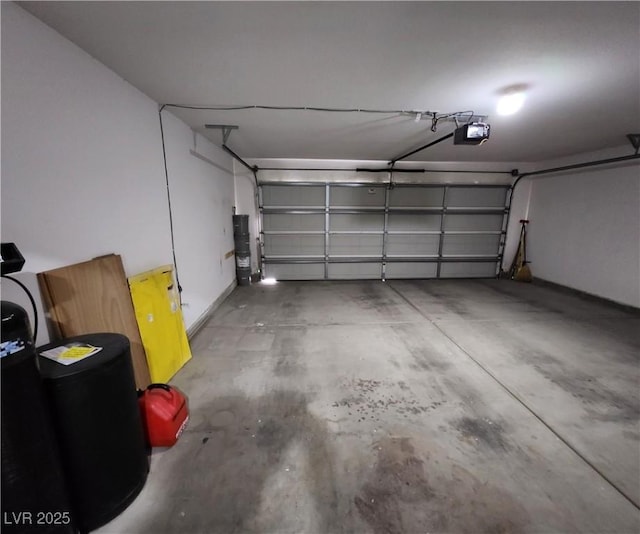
[(240, 225), (241, 240), (97, 419), (34, 496)]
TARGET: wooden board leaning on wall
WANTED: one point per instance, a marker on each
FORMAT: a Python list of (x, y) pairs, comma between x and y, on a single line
[(90, 297)]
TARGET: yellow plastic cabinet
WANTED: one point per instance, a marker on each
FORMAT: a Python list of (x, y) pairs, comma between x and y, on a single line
[(157, 308)]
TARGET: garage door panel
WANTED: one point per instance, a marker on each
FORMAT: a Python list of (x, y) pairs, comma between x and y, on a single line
[(293, 245), (302, 271), (355, 271), (356, 221), (411, 245), (357, 196), (419, 197), (411, 270), (355, 245), (476, 197), (467, 270), (443, 230), (414, 222), (289, 222), (485, 245), (473, 222), (293, 195)]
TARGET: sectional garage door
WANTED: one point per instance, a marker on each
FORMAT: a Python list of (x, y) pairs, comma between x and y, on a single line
[(314, 231)]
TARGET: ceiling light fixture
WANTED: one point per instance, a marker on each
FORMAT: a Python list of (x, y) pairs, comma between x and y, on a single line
[(510, 104), (511, 99)]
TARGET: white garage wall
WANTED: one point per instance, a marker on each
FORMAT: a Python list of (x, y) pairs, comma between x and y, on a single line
[(202, 198), (82, 170), (585, 228), (83, 173)]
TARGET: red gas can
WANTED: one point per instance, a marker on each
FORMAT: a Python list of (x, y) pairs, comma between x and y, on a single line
[(164, 414)]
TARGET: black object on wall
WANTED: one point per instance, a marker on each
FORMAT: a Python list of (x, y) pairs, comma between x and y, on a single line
[(97, 420), (34, 494), (11, 261)]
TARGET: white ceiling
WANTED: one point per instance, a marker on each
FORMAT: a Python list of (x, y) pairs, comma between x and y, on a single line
[(580, 59)]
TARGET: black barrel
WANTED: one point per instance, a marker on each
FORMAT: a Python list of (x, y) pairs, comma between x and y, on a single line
[(97, 419), (34, 494), (240, 225), (242, 242)]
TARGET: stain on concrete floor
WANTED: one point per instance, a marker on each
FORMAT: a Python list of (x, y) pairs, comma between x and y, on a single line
[(371, 399), (600, 401), (216, 481), (287, 350), (483, 431), (404, 495)]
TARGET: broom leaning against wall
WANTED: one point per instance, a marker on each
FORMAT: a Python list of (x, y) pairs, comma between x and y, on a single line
[(520, 270)]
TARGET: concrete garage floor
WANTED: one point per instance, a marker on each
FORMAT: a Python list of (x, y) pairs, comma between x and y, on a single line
[(463, 406)]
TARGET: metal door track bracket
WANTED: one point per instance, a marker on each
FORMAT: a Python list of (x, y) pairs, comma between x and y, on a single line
[(226, 130)]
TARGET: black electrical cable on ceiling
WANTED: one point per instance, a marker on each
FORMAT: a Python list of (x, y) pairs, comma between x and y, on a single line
[(298, 108), (457, 114), (31, 299), (166, 177), (434, 115)]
